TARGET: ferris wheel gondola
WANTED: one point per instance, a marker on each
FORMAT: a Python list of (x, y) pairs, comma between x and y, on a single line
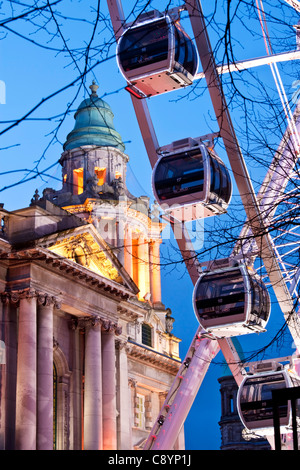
[(190, 181), (156, 56), (255, 405), (231, 301)]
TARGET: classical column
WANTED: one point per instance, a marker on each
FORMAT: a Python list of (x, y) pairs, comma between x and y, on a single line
[(76, 391), (93, 387), (109, 388), (26, 375), (45, 373), (124, 431), (155, 272), (9, 371)]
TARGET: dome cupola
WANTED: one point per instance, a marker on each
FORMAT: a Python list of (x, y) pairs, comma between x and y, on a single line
[(94, 125)]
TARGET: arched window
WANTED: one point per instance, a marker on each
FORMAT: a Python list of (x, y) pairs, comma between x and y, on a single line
[(146, 334)]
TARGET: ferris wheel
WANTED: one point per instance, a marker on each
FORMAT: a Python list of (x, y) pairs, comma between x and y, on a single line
[(156, 56)]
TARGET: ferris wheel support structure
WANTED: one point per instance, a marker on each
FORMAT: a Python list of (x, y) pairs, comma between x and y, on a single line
[(203, 348)]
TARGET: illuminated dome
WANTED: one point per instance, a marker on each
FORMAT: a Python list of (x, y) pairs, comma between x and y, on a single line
[(94, 125)]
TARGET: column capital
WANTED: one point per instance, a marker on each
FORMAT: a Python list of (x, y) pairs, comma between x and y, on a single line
[(14, 297), (10, 297), (43, 298), (92, 322), (46, 300), (109, 326), (84, 323), (132, 382), (27, 293), (121, 344)]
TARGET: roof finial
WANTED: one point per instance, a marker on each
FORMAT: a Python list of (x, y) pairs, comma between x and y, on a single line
[(93, 87)]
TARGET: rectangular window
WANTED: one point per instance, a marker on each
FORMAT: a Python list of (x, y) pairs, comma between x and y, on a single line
[(78, 181), (146, 334), (140, 411), (101, 175)]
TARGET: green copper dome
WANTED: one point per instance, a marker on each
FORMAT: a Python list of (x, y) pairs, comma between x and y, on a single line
[(94, 125)]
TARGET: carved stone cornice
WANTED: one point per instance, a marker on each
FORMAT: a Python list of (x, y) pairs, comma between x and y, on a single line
[(137, 352), (128, 313)]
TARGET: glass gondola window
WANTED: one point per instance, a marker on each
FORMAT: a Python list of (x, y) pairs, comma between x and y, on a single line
[(221, 295), (179, 46), (191, 60), (183, 173), (225, 185), (220, 181), (215, 182), (256, 398), (145, 45), (260, 299), (185, 52)]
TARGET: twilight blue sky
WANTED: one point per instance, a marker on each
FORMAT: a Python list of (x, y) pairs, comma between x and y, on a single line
[(33, 70)]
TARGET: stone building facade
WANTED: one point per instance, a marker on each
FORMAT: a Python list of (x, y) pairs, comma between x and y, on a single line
[(87, 350)]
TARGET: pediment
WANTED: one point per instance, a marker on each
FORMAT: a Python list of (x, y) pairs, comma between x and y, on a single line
[(85, 247)]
